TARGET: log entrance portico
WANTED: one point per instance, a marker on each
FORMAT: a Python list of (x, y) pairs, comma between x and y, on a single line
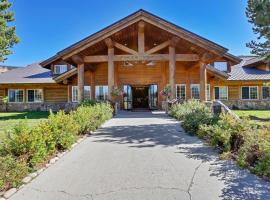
[(141, 49)]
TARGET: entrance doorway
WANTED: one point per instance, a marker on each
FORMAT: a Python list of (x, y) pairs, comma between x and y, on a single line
[(140, 97)]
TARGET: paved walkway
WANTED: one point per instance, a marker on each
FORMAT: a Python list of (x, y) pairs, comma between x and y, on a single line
[(139, 156)]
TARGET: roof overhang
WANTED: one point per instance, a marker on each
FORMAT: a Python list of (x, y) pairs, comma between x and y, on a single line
[(217, 73), (140, 15)]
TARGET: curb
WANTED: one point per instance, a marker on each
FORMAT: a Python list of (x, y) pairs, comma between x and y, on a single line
[(30, 177)]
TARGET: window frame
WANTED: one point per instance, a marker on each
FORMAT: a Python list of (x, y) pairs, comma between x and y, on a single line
[(227, 92), (199, 89), (208, 94), (269, 92), (180, 85), (42, 96), (105, 98), (72, 92), (15, 96), (241, 93), (59, 65)]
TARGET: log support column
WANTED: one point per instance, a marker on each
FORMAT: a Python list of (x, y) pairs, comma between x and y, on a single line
[(203, 81), (110, 67), (80, 82), (172, 63)]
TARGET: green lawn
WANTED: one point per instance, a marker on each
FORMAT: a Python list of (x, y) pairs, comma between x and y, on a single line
[(9, 119), (257, 115)]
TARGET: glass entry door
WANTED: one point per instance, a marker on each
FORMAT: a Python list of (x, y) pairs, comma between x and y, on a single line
[(127, 97), (153, 96)]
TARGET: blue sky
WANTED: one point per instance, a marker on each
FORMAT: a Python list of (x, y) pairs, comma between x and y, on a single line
[(46, 27)]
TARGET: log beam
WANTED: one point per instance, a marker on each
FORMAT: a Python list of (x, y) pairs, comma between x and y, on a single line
[(141, 37), (172, 63), (80, 69), (125, 49), (145, 57), (158, 47), (203, 81), (110, 71)]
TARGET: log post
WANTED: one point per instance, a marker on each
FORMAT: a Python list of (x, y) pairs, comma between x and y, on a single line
[(80, 82), (203, 81), (110, 69), (141, 37), (172, 63)]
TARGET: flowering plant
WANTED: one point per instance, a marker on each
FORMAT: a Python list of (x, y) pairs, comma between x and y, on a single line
[(166, 91), (116, 91)]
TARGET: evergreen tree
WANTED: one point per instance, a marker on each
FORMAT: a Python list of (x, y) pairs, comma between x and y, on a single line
[(258, 13), (8, 35)]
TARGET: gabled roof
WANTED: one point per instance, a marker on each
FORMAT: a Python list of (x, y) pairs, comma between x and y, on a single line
[(131, 19), (241, 72), (33, 73)]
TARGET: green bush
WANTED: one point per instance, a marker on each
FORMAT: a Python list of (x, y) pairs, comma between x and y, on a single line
[(24, 148), (26, 144), (64, 129), (179, 111), (193, 113), (89, 118), (12, 172), (88, 102)]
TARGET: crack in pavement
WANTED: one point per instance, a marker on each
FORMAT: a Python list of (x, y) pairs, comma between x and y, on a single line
[(192, 180), (92, 195), (87, 196)]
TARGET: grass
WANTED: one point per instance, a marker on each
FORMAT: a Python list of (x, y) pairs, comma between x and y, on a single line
[(256, 115), (9, 119)]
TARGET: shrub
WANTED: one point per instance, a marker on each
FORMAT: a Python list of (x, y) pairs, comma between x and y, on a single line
[(254, 149), (194, 113), (12, 172), (26, 144), (88, 102), (85, 116), (64, 129), (179, 111)]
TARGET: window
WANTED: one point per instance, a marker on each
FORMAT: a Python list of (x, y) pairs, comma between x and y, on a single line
[(86, 93), (35, 95), (222, 66), (181, 91), (208, 95), (101, 92), (15, 96), (195, 91), (59, 69), (221, 92), (266, 92), (249, 92)]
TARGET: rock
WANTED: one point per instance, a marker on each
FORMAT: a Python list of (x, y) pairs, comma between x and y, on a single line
[(2, 198), (53, 160), (80, 140), (10, 192), (33, 175), (1, 194), (47, 165), (27, 179), (40, 170), (21, 186), (74, 145)]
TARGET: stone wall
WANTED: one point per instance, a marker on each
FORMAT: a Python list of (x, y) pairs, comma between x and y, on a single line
[(38, 106), (247, 104)]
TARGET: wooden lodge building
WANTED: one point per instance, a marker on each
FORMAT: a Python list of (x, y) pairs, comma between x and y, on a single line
[(140, 54)]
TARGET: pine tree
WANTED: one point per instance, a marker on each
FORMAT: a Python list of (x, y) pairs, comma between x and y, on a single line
[(258, 13), (8, 37)]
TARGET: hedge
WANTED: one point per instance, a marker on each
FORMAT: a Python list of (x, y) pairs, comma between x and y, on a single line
[(246, 142), (25, 150)]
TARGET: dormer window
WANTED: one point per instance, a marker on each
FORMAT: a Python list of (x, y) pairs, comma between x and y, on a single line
[(60, 69), (220, 65)]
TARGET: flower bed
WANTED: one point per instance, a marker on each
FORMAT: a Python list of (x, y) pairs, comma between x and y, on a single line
[(242, 140), (26, 150)]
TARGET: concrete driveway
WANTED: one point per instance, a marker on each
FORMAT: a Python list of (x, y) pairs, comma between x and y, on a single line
[(143, 156)]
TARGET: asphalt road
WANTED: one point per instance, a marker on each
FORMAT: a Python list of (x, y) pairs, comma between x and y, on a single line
[(143, 156)]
